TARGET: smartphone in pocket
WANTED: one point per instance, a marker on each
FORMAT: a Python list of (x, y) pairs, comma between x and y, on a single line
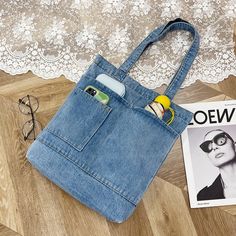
[(96, 93)]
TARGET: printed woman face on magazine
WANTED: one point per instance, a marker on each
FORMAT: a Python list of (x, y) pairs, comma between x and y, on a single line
[(220, 148)]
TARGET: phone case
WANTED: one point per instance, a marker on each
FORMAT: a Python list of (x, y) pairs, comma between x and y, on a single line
[(112, 84), (100, 96)]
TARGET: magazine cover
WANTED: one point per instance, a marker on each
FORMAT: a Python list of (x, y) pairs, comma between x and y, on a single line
[(209, 148)]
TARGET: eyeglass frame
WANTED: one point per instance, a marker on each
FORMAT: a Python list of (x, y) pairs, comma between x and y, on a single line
[(31, 113)]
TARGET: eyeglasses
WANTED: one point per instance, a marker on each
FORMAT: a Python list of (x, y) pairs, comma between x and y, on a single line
[(219, 139), (28, 105)]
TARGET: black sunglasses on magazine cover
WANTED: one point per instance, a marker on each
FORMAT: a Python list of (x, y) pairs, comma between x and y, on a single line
[(219, 139)]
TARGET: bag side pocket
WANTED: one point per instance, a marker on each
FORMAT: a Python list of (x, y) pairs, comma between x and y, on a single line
[(78, 119)]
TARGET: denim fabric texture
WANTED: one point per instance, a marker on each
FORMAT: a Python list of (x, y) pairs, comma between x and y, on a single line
[(106, 156)]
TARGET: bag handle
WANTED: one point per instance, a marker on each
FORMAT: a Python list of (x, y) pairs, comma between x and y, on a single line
[(158, 34)]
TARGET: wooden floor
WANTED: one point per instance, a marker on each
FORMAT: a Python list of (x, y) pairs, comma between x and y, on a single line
[(31, 205)]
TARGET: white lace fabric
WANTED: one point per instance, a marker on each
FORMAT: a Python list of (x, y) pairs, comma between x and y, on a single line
[(55, 37)]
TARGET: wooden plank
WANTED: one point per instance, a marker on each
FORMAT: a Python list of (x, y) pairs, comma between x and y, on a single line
[(4, 231), (138, 224), (167, 210)]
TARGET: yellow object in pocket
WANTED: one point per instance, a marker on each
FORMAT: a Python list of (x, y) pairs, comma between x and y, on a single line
[(163, 100), (158, 107)]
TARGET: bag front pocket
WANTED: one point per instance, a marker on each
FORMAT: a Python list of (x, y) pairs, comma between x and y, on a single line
[(78, 119), (156, 120)]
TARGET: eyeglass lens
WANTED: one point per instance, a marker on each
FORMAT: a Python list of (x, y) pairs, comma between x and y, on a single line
[(31, 129), (28, 102)]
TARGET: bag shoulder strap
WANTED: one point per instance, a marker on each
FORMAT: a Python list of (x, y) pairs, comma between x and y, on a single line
[(158, 34)]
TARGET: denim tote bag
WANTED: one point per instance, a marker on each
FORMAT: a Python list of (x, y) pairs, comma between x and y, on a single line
[(106, 156)]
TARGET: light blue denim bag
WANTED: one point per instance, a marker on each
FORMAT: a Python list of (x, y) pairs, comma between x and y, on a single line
[(107, 155)]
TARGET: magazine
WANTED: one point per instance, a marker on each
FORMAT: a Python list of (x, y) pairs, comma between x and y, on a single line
[(209, 148)]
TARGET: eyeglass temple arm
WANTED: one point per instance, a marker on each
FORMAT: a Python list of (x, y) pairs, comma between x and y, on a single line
[(31, 111), (32, 118)]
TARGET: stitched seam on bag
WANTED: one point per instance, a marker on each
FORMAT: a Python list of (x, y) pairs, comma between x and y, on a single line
[(93, 175), (55, 132)]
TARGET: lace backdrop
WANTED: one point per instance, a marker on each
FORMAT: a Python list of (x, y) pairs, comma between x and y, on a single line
[(55, 37)]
